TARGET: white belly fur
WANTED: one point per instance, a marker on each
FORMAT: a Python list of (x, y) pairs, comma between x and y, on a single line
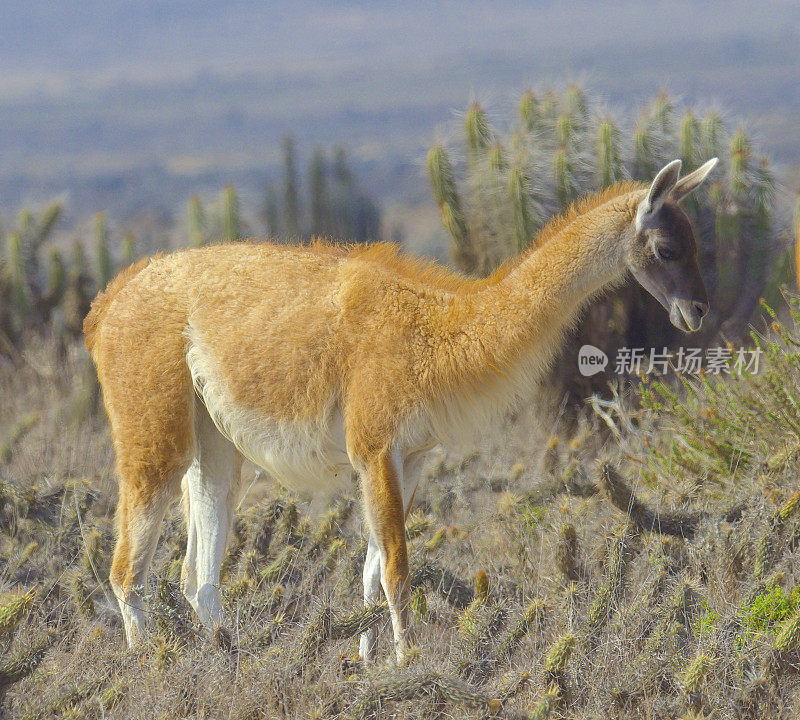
[(308, 457)]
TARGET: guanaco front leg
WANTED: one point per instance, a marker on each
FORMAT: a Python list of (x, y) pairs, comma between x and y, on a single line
[(385, 511)]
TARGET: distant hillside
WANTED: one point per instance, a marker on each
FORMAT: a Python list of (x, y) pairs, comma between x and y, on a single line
[(129, 105)]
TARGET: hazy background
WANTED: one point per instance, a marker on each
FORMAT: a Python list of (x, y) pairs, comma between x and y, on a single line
[(131, 107)]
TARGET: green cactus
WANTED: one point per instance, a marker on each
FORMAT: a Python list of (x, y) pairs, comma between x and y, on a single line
[(577, 103), (282, 567), (436, 541), (82, 596), (45, 224), (696, 671), (419, 603), (440, 173), (497, 158), (472, 619), (787, 510), (609, 165), (197, 222), (547, 704), (662, 112), (612, 586), (332, 556), (567, 553), (231, 224), (689, 135), (56, 278), (20, 291), (532, 618), (555, 665), (644, 163), (416, 525), (12, 611), (479, 135), (711, 132), (529, 112), (787, 640), (524, 223), (105, 266)]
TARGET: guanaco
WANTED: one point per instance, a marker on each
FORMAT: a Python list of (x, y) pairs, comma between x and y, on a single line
[(313, 360)]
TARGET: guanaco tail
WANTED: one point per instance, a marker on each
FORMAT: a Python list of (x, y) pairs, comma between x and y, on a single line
[(313, 361)]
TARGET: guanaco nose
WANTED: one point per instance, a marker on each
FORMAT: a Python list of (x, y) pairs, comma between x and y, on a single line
[(700, 307)]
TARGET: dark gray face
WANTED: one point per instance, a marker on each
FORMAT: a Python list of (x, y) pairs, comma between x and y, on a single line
[(663, 253), (664, 261)]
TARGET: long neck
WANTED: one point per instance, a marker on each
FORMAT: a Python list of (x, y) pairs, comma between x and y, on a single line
[(522, 317)]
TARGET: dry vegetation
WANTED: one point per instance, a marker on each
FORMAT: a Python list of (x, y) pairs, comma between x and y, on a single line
[(659, 583)]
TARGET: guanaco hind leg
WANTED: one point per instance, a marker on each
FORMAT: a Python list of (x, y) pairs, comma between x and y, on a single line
[(212, 487), (139, 519)]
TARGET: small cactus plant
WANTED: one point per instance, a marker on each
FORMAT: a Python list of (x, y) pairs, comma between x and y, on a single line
[(419, 603), (567, 552), (13, 610)]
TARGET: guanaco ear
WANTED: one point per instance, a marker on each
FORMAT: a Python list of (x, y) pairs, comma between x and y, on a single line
[(659, 190), (692, 181)]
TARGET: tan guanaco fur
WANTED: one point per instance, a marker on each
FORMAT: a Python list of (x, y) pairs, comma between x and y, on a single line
[(312, 360)]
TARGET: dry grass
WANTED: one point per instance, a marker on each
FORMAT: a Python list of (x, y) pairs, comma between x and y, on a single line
[(590, 610)]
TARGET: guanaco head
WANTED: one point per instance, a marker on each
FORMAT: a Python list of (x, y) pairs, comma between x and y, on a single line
[(663, 253)]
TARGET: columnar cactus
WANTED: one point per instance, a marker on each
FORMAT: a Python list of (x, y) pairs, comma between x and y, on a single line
[(555, 665), (609, 165), (567, 552), (197, 222), (231, 224), (105, 266), (440, 173), (477, 130)]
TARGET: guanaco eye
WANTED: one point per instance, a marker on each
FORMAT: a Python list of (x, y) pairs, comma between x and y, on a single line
[(665, 254)]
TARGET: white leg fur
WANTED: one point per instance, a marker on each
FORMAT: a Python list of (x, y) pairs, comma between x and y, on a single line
[(372, 592), (189, 568), (213, 483)]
